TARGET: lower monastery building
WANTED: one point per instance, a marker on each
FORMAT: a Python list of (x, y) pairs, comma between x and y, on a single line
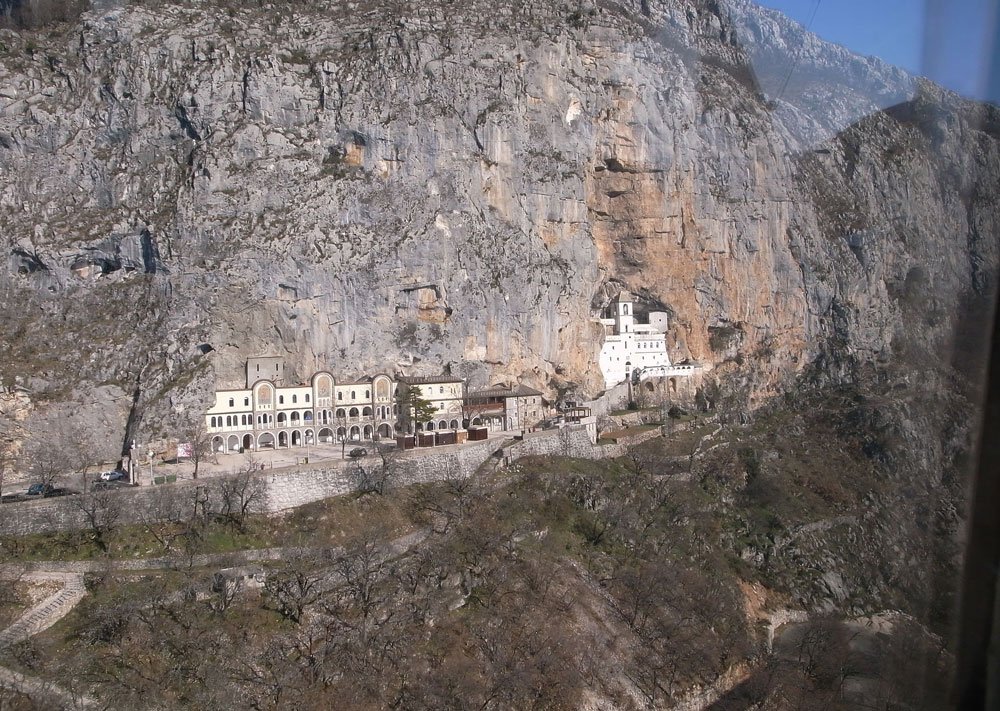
[(269, 414)]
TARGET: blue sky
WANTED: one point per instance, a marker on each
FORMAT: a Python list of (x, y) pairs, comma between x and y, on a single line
[(953, 42)]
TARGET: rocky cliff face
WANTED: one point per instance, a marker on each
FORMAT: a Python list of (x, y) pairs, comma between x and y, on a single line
[(428, 186)]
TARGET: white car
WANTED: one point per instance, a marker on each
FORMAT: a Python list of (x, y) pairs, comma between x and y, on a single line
[(112, 476)]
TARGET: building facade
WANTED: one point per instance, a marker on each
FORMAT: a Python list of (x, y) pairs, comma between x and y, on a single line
[(268, 414), (505, 408), (446, 395), (635, 350)]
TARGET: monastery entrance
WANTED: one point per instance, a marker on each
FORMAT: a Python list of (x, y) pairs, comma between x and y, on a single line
[(247, 441)]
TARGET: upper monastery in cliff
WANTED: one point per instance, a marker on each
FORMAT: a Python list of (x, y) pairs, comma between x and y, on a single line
[(636, 350)]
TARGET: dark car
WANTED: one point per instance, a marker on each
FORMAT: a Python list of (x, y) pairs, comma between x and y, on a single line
[(105, 485), (40, 489), (357, 452)]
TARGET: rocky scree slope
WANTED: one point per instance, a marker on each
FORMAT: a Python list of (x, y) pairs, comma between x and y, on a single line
[(428, 186)]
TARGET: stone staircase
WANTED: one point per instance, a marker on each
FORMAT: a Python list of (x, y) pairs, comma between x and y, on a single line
[(40, 617), (47, 612)]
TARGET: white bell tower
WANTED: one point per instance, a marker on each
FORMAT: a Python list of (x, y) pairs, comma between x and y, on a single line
[(624, 316)]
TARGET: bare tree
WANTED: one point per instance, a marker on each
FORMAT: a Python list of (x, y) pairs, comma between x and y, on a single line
[(341, 422), (200, 439), (47, 458), (241, 496), (445, 504), (378, 476), (102, 511), (292, 588), (166, 508)]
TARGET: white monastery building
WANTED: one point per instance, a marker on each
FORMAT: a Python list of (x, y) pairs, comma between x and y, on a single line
[(636, 350)]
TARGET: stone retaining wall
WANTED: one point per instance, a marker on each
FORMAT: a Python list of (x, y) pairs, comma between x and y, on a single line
[(569, 441), (283, 489), (289, 488)]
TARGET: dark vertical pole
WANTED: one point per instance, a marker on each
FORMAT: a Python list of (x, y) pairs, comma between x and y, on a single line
[(977, 678)]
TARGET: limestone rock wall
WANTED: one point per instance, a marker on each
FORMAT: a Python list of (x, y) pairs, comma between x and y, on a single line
[(422, 186)]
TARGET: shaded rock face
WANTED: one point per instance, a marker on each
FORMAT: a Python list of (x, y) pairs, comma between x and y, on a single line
[(433, 186)]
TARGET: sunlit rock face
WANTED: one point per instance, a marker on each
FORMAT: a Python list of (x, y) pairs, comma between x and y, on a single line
[(430, 186)]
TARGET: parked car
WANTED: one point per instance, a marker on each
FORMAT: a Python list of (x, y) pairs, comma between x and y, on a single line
[(357, 452), (40, 489), (112, 475), (105, 485)]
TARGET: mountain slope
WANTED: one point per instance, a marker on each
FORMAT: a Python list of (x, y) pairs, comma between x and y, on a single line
[(439, 185)]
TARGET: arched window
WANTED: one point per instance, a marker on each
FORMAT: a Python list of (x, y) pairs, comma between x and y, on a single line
[(307, 397), (340, 396), (367, 412), (211, 422), (353, 396), (229, 421), (295, 398), (246, 402), (232, 402), (368, 394), (281, 399), (441, 390), (340, 412), (353, 412)]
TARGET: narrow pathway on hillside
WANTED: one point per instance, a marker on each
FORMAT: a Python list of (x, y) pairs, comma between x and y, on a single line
[(40, 617), (53, 608), (47, 612)]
